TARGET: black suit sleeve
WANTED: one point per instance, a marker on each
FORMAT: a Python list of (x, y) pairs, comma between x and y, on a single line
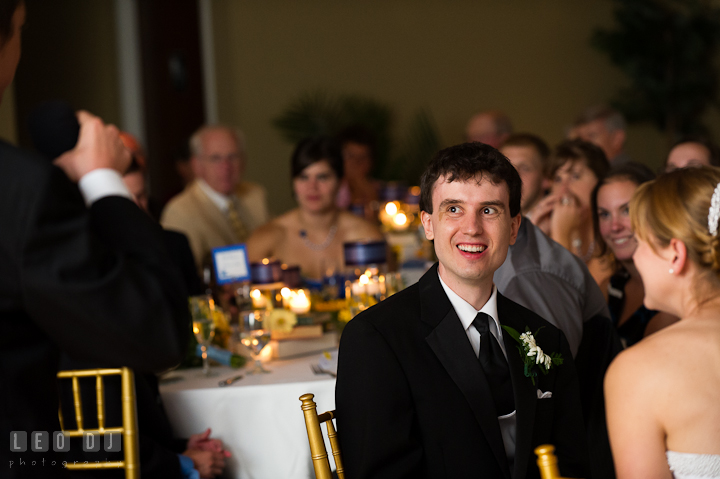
[(600, 345), (179, 248), (376, 418), (568, 422), (101, 283)]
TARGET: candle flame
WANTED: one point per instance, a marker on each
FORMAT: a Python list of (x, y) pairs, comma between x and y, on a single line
[(400, 219)]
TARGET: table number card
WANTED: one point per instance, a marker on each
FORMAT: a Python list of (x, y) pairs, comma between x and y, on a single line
[(231, 264)]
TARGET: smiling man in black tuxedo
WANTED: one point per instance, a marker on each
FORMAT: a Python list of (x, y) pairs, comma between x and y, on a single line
[(430, 384)]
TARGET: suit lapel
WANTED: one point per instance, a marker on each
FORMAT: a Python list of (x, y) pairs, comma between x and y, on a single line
[(524, 392), (451, 346)]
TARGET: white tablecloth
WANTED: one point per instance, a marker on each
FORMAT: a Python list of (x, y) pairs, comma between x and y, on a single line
[(258, 417)]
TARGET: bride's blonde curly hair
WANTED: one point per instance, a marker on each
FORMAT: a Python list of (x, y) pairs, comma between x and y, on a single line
[(676, 205)]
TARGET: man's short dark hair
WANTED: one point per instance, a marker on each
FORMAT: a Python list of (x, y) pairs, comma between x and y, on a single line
[(312, 150), (528, 140), (702, 141), (613, 119), (467, 161), (7, 10)]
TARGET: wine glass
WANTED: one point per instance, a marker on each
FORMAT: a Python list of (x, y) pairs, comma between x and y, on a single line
[(201, 309), (254, 336)]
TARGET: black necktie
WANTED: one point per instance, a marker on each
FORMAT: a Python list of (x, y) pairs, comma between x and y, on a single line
[(495, 366)]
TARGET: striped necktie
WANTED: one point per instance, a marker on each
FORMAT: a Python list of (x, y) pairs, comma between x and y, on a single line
[(236, 224)]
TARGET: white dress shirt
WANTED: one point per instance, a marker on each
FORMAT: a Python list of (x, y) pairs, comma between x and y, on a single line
[(100, 183), (467, 312), (218, 199)]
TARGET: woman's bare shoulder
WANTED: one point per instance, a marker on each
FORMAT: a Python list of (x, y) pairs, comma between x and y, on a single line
[(356, 228), (264, 240), (661, 358)]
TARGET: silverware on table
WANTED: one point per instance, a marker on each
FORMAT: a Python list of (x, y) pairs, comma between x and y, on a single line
[(318, 370), (231, 380)]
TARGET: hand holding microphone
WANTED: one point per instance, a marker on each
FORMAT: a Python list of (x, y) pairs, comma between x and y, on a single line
[(77, 142), (98, 146)]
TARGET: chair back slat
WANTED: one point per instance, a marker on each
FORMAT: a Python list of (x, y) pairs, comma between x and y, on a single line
[(335, 446), (319, 455), (129, 429), (100, 397), (78, 403)]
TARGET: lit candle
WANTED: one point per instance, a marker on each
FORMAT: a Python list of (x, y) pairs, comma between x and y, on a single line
[(400, 220), (373, 287), (299, 303), (259, 301), (357, 288), (286, 294)]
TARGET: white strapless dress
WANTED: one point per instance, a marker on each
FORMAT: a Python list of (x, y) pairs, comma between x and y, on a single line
[(685, 465)]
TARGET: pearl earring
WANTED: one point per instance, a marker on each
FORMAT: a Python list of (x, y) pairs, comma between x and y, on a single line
[(672, 271)]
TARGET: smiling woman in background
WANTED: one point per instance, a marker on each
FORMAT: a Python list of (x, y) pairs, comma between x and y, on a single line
[(624, 290), (663, 394), (312, 235)]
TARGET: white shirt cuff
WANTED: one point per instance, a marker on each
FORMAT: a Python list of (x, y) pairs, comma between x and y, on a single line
[(101, 183)]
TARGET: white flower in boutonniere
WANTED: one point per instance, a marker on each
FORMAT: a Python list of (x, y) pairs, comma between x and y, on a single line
[(533, 356)]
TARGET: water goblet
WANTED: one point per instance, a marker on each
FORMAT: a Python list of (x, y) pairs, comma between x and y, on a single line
[(254, 337), (201, 310)]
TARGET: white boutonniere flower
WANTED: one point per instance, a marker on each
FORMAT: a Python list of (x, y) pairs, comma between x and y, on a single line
[(533, 356)]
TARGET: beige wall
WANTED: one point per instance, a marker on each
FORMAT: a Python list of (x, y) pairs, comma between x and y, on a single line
[(529, 58)]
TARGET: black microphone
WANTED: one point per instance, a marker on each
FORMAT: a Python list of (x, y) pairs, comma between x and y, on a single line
[(53, 128)]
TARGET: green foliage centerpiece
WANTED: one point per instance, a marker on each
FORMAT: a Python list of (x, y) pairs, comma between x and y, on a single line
[(320, 113)]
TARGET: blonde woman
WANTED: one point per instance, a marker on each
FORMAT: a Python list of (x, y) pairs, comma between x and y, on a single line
[(663, 394)]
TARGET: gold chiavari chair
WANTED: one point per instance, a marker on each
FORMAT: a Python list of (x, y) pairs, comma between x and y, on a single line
[(321, 464), (129, 429), (547, 462)]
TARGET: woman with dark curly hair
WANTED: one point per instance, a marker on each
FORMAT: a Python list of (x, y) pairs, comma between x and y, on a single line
[(565, 215)]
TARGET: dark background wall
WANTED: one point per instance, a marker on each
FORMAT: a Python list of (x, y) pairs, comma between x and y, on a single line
[(454, 57)]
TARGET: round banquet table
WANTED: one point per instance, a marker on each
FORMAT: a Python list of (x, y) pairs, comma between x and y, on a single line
[(258, 418)]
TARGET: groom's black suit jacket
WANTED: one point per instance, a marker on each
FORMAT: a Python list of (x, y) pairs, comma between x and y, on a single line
[(413, 401)]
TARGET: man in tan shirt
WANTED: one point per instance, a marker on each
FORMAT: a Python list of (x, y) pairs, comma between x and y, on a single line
[(217, 209)]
